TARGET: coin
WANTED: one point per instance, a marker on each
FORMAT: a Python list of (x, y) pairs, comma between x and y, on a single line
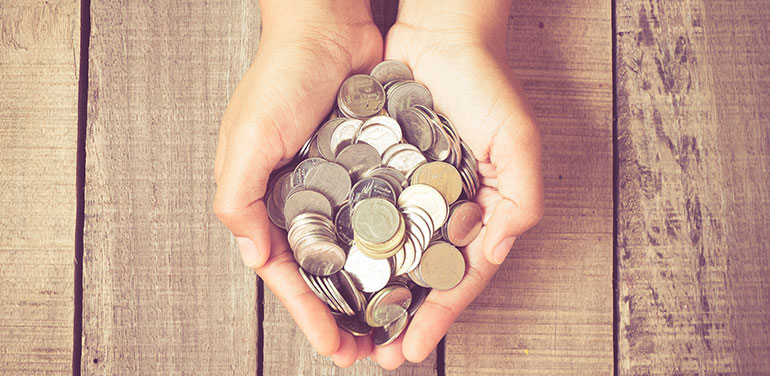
[(378, 136), (391, 70), (357, 159), (342, 225), (383, 121), (361, 96), (304, 201), (324, 138), (320, 257), (442, 176), (298, 177), (332, 286), (428, 199), (313, 287), (442, 266), (417, 128), (375, 220), (369, 275), (342, 136), (419, 294), (371, 187), (388, 333), (352, 325), (347, 288), (404, 159), (406, 94), (331, 180), (388, 305), (275, 200), (396, 179), (464, 223)]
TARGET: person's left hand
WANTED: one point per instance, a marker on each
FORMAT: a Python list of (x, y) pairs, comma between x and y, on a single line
[(473, 86)]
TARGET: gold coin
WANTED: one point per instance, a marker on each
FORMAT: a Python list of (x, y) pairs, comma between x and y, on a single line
[(442, 266), (442, 176)]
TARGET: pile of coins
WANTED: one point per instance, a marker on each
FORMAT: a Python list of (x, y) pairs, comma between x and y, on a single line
[(377, 202)]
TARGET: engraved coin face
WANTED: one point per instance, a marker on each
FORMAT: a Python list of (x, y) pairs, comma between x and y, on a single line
[(306, 201), (331, 180), (298, 177), (404, 160), (442, 266), (321, 257), (361, 96), (391, 70), (324, 138), (357, 159), (464, 223), (368, 275), (388, 333), (428, 199), (407, 94), (371, 187), (388, 305), (378, 136), (442, 176), (375, 220), (343, 226), (416, 128), (342, 135)]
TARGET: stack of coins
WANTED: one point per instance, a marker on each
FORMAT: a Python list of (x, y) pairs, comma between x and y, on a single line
[(377, 201)]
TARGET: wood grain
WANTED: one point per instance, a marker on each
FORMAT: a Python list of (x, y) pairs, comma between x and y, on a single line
[(39, 69), (548, 310), (694, 171), (165, 291)]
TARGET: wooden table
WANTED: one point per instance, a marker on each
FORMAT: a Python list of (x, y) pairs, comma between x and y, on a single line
[(652, 257)]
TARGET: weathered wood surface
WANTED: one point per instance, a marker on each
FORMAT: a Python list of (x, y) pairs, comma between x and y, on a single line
[(165, 291), (39, 63), (694, 171), (548, 310)]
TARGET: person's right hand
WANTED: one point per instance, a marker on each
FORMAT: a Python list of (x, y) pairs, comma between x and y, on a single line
[(306, 51)]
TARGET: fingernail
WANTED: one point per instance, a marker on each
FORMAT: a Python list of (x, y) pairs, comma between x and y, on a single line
[(502, 249), (249, 251)]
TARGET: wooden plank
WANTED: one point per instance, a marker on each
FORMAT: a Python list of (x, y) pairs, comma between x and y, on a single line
[(39, 70), (165, 291), (694, 205), (548, 310)]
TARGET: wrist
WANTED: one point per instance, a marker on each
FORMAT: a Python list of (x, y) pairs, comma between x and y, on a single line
[(482, 21), (286, 15)]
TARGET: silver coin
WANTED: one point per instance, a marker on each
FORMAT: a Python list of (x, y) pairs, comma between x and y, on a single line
[(375, 220), (343, 134), (333, 288), (393, 176), (330, 179), (419, 294), (312, 286), (361, 96), (388, 305), (388, 333), (298, 177), (407, 94), (331, 302), (442, 145), (357, 159), (342, 224), (348, 290), (391, 70), (275, 199), (409, 253), (352, 325), (371, 187), (320, 257), (417, 128), (406, 161), (428, 199), (417, 254), (306, 201), (415, 276), (368, 275), (383, 121), (378, 136), (324, 138), (395, 149)]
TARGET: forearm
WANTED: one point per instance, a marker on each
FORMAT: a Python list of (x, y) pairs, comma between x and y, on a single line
[(284, 14), (486, 19)]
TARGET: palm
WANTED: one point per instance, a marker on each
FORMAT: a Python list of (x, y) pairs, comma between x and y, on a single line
[(472, 86)]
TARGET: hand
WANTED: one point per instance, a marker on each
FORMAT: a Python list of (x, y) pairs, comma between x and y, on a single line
[(467, 73), (306, 51)]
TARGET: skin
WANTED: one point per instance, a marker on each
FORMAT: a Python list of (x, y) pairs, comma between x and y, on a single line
[(457, 49)]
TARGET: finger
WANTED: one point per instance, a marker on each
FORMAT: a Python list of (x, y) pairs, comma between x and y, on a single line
[(346, 354), (365, 346), (280, 274), (519, 182), (390, 356), (441, 308)]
